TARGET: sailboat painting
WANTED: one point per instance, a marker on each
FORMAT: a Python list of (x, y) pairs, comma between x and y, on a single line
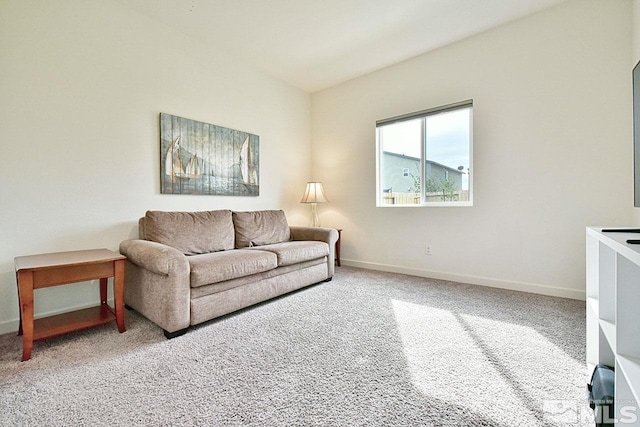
[(204, 159)]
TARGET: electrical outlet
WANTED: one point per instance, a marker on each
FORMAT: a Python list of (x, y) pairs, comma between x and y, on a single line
[(427, 250)]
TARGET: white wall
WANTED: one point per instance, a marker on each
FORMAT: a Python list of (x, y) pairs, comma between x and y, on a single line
[(552, 147), (81, 86)]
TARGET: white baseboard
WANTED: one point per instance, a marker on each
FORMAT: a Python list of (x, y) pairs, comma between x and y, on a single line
[(11, 326), (474, 280)]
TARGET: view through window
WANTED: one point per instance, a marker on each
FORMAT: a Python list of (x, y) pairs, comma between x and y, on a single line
[(425, 158)]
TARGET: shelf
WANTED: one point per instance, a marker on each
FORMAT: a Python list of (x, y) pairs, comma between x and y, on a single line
[(52, 326), (631, 369), (618, 242), (609, 330), (607, 282), (627, 303), (612, 314)]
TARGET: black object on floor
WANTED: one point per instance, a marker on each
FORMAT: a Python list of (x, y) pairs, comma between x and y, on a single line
[(601, 395)]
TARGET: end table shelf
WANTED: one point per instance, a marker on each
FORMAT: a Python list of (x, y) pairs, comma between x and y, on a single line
[(60, 268), (64, 323)]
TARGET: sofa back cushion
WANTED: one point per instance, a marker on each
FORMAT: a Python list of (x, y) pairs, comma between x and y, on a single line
[(257, 228), (190, 232)]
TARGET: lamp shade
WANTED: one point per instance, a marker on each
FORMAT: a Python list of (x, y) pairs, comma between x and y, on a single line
[(314, 193)]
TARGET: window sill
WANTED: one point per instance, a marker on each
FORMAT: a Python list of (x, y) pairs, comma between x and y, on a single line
[(430, 205)]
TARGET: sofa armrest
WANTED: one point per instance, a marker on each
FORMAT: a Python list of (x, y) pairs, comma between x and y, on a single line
[(155, 257), (320, 234), (157, 283)]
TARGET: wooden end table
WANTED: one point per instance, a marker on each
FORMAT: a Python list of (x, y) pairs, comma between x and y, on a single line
[(54, 269)]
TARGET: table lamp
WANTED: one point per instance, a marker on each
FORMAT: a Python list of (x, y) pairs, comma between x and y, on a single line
[(314, 194)]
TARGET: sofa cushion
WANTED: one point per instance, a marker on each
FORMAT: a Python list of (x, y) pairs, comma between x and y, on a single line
[(259, 228), (297, 251), (220, 266), (190, 232), (213, 288)]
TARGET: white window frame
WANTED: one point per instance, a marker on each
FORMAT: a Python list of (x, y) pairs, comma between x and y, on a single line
[(418, 115)]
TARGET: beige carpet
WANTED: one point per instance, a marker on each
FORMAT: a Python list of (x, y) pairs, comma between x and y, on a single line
[(367, 349)]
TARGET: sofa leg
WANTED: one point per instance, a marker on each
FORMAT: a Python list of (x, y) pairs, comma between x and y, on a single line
[(128, 307), (328, 280), (169, 335)]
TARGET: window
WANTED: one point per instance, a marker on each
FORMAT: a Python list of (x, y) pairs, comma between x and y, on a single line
[(425, 158)]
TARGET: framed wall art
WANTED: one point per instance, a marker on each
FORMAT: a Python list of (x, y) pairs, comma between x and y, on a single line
[(201, 158)]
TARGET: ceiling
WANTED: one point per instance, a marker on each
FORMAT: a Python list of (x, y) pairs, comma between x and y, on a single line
[(313, 44)]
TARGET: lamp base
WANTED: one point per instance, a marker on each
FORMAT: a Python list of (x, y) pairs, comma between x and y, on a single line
[(315, 221)]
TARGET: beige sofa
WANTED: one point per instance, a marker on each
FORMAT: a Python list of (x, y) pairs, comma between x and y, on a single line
[(190, 267)]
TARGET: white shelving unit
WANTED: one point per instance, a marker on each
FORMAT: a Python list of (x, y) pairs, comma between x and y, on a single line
[(613, 315)]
